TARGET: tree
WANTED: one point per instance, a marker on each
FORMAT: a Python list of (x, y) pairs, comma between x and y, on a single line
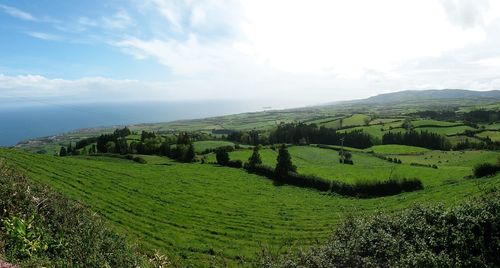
[(183, 138), (255, 159), (121, 146), (190, 154), (222, 156), (165, 149), (69, 151), (284, 163), (111, 147), (62, 151)]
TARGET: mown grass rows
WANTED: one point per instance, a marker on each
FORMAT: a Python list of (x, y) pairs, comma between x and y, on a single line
[(197, 212)]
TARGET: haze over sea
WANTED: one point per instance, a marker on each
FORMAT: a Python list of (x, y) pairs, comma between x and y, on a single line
[(21, 123)]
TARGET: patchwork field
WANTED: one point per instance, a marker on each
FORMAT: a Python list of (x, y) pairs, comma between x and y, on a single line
[(199, 214), (325, 163), (200, 146), (493, 135)]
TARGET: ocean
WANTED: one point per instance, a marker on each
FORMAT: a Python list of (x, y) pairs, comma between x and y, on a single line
[(21, 123)]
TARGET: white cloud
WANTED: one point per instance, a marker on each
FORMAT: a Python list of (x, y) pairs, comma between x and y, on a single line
[(120, 20), (45, 36), (492, 62), (466, 13), (17, 13), (338, 37), (311, 51)]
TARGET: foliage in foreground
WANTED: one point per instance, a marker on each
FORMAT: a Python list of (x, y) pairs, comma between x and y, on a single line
[(464, 236), (41, 228)]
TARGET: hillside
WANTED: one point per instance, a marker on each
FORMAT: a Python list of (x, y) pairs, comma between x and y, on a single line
[(444, 94), (221, 191), (201, 214)]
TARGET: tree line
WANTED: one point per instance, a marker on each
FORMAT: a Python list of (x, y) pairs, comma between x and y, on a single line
[(423, 139), (300, 133)]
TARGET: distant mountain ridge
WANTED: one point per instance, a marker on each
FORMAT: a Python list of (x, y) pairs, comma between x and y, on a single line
[(433, 94)]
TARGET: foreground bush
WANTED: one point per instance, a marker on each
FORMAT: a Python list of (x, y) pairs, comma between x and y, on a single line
[(465, 236), (41, 228), (486, 169)]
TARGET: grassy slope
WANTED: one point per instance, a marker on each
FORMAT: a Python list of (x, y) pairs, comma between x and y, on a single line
[(493, 135), (324, 163), (200, 146), (396, 149), (430, 122), (192, 210)]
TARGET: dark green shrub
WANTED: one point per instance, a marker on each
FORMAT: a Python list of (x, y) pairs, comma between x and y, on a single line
[(485, 169), (235, 163), (222, 156), (262, 170), (373, 188), (308, 181), (255, 158), (283, 164), (140, 160)]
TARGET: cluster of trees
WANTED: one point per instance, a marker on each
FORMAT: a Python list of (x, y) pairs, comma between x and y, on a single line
[(484, 144), (182, 150), (115, 142), (481, 116), (252, 137), (300, 133), (445, 115), (423, 139), (150, 143), (77, 150), (472, 117)]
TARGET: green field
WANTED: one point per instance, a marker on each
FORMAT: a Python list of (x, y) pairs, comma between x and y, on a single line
[(378, 131), (379, 121), (198, 213), (446, 130), (325, 163), (462, 138), (353, 120), (396, 149), (200, 146), (430, 122), (493, 135)]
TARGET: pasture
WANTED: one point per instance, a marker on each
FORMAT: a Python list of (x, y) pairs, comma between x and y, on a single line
[(201, 214), (325, 163)]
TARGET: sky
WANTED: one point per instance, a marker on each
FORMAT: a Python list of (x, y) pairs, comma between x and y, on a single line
[(294, 52)]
